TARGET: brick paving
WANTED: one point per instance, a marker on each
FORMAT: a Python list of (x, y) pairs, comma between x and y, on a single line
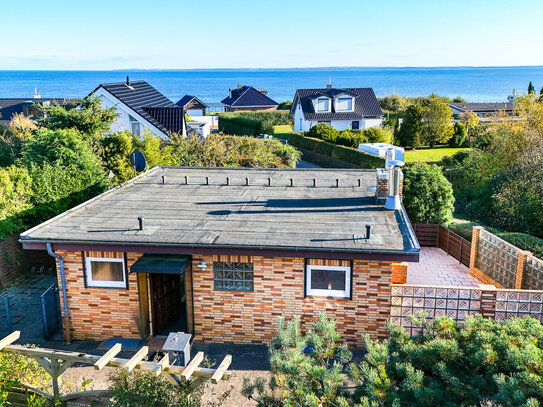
[(437, 268)]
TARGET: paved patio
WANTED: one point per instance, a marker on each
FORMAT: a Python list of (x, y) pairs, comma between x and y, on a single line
[(437, 268)]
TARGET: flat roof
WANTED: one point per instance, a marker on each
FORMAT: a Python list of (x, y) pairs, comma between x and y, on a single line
[(256, 209)]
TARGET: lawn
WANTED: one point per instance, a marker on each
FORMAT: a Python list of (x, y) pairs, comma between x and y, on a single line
[(425, 154), (282, 131)]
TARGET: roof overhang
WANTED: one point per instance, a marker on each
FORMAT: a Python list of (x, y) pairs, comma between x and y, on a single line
[(268, 251), (161, 264)]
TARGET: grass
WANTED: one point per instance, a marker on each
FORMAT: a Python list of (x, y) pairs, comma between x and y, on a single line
[(282, 131), (426, 154)]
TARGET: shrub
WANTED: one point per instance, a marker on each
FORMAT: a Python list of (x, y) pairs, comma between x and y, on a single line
[(252, 123), (524, 242), (145, 389), (377, 135), (234, 151), (350, 155), (306, 370), (459, 136), (324, 132), (15, 188), (16, 370), (427, 194), (477, 362)]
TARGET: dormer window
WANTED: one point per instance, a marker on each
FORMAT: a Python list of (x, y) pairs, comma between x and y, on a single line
[(344, 104), (323, 105)]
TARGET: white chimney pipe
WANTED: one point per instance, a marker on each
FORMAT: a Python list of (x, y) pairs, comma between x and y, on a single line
[(393, 201)]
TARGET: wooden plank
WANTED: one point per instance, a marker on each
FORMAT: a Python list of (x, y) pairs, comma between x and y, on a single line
[(191, 367), (110, 354), (162, 364), (223, 367), (92, 359), (8, 340), (134, 360)]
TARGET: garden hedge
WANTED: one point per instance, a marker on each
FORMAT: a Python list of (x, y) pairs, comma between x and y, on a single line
[(348, 154), (252, 123)]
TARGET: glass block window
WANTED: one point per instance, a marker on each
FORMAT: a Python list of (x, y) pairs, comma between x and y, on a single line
[(233, 276)]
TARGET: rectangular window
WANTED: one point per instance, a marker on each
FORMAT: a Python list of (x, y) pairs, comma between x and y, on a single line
[(328, 281), (323, 105), (107, 273), (344, 104), (135, 128), (233, 276), (355, 125)]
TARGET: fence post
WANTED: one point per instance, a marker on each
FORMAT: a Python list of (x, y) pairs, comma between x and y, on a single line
[(521, 264), (474, 248), (488, 301)]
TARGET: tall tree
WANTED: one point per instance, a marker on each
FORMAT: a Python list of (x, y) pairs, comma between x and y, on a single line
[(531, 88), (410, 133), (470, 120), (541, 94), (437, 123)]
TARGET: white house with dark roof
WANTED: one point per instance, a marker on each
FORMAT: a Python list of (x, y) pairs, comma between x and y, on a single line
[(349, 108), (140, 106)]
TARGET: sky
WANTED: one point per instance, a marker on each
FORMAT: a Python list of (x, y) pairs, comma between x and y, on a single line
[(186, 34)]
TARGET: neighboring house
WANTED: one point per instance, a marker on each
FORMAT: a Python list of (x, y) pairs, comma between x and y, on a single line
[(350, 108), (482, 109), (192, 105), (29, 107), (247, 98), (223, 252), (140, 107)]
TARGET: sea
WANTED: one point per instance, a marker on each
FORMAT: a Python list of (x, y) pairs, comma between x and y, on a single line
[(475, 84)]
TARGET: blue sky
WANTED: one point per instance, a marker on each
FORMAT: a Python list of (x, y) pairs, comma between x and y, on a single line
[(179, 34)]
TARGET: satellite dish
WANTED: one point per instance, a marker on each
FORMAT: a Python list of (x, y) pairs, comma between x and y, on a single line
[(138, 161)]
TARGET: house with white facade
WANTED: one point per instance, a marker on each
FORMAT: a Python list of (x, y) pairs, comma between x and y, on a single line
[(141, 107), (349, 108)]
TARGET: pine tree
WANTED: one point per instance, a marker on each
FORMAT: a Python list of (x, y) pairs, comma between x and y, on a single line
[(531, 88), (410, 134)]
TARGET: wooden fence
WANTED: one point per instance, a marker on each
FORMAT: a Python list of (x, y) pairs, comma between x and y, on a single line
[(434, 235)]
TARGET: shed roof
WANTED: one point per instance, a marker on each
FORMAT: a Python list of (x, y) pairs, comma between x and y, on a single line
[(208, 211)]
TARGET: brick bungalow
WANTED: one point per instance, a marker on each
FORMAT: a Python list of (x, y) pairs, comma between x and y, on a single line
[(223, 252)]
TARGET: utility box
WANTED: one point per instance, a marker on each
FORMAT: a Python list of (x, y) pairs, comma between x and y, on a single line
[(178, 347)]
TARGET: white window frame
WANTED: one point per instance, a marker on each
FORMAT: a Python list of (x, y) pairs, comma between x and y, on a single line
[(102, 283), (328, 293), (346, 98), (327, 100)]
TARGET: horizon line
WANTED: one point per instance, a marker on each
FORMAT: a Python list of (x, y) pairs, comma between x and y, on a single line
[(282, 68)]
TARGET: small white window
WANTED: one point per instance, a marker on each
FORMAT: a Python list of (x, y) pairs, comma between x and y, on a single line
[(328, 281), (344, 104), (108, 273), (323, 105), (134, 126)]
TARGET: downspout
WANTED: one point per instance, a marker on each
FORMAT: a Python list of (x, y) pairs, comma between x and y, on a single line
[(66, 310)]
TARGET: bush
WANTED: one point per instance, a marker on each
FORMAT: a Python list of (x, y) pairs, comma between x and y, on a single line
[(234, 151), (145, 389), (377, 135), (16, 370), (427, 194), (252, 123), (459, 136), (347, 154), (477, 362), (524, 242), (15, 188), (324, 132)]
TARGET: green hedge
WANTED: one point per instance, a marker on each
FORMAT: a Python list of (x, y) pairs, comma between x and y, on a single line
[(252, 123), (240, 126), (348, 154), (524, 242)]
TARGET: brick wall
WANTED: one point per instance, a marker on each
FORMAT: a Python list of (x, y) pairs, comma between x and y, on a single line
[(399, 273), (100, 313), (250, 317), (235, 316)]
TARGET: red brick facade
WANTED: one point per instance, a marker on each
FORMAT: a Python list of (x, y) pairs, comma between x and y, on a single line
[(235, 316)]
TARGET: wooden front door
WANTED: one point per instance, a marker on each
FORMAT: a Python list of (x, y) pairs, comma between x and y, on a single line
[(166, 295)]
